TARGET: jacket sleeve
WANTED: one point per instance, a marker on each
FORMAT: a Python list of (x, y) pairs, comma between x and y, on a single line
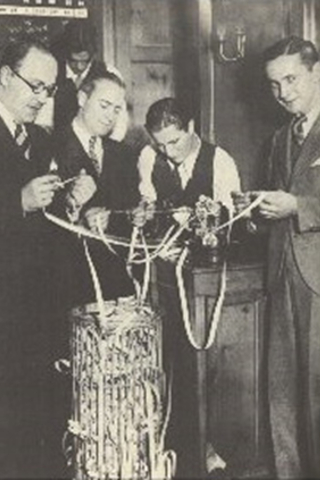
[(11, 213)]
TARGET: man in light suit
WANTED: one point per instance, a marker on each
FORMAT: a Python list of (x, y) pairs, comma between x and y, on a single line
[(292, 209), (86, 146)]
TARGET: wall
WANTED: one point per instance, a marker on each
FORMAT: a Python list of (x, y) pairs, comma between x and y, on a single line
[(245, 114), (166, 47)]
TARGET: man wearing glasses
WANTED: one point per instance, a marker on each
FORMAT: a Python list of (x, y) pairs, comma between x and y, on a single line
[(27, 79)]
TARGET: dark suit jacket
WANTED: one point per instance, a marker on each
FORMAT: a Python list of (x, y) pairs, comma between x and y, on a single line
[(66, 101), (28, 310), (303, 181), (24, 242), (117, 189)]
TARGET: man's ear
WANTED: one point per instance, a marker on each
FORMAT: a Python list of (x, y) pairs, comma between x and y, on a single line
[(82, 98), (191, 126), (316, 71), (5, 75)]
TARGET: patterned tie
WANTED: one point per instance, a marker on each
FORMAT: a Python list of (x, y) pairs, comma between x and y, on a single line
[(93, 154), (22, 139), (297, 129)]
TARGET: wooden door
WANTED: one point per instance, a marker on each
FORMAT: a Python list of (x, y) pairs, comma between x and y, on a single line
[(143, 51)]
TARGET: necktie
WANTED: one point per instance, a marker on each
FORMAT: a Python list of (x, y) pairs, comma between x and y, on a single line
[(176, 177), (93, 154), (297, 129), (22, 139)]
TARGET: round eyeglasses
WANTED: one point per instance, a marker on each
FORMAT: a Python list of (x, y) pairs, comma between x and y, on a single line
[(39, 88)]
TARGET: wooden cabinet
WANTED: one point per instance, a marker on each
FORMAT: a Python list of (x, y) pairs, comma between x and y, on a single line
[(229, 374)]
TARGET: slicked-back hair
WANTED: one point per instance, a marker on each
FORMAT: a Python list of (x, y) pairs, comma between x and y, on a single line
[(91, 81), (165, 112), (291, 45), (15, 52), (80, 36)]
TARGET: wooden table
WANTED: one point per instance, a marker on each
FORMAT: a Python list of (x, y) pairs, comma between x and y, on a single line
[(229, 374)]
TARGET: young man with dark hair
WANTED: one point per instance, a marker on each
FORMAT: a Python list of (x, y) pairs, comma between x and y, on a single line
[(292, 210), (182, 166), (175, 171)]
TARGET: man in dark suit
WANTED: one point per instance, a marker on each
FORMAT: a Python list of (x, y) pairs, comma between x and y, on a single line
[(293, 212), (27, 79), (86, 146)]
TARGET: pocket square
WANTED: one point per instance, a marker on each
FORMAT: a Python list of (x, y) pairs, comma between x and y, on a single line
[(316, 163)]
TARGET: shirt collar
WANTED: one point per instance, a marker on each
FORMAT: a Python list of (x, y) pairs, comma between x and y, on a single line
[(83, 135), (75, 77), (188, 163), (8, 119), (311, 118)]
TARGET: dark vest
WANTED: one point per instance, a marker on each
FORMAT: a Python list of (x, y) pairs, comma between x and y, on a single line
[(200, 183)]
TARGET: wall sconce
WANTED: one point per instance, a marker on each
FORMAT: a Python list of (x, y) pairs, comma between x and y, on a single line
[(239, 47)]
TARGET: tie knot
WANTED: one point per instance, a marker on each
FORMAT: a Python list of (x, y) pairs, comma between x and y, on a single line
[(92, 142), (19, 131), (22, 139), (297, 128)]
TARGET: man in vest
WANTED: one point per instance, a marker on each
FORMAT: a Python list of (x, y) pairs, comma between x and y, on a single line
[(182, 166), (174, 172)]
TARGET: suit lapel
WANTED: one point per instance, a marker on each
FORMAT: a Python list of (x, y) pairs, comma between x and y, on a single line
[(78, 153), (310, 150), (281, 166), (7, 140)]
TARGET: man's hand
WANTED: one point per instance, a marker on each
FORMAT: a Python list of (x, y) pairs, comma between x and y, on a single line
[(96, 215), (82, 189), (277, 205), (143, 213), (39, 192), (182, 215), (171, 255), (241, 201)]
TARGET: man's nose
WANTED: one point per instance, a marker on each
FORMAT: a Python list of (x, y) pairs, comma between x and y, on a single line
[(170, 150), (43, 97), (284, 91)]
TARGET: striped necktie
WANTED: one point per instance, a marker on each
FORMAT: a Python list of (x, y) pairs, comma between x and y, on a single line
[(22, 140), (297, 129), (93, 154)]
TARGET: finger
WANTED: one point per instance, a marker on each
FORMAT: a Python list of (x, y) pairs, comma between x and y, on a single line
[(48, 179), (268, 211), (45, 200), (256, 193)]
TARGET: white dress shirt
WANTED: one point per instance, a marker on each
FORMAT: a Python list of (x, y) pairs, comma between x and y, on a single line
[(8, 119), (84, 138), (225, 175)]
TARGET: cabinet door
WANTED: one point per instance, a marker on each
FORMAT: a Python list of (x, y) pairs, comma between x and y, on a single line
[(234, 385)]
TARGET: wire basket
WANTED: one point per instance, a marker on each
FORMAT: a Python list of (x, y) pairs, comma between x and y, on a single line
[(117, 390)]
